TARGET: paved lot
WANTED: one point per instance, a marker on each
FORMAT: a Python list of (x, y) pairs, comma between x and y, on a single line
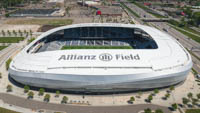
[(35, 105)]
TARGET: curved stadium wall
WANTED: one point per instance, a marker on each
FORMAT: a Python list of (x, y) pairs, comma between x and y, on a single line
[(153, 65)]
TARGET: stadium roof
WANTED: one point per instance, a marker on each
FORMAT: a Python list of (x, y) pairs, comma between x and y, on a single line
[(169, 54)]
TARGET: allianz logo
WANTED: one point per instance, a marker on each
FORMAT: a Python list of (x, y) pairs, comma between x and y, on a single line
[(105, 57), (102, 57)]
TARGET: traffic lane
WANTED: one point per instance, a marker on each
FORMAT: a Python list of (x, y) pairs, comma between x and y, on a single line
[(36, 105)]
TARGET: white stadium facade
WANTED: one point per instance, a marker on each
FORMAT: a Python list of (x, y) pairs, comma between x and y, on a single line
[(155, 59)]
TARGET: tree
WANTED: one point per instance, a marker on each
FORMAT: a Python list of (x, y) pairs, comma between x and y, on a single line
[(26, 88), (171, 88), (3, 33), (150, 98), (8, 32), (185, 101), (174, 106), (19, 31), (188, 11), (30, 40), (132, 99), (190, 95), (156, 91), (25, 31), (140, 94), (148, 110), (198, 95), (64, 100), (8, 63), (30, 95), (47, 98), (41, 91), (159, 111), (31, 32), (0, 76), (194, 101), (57, 93), (9, 88), (14, 32), (167, 95)]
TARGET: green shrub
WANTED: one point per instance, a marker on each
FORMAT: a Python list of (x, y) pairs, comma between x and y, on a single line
[(26, 89), (148, 110), (7, 14), (9, 88), (30, 40), (30, 95), (174, 106), (11, 39), (64, 100), (41, 91), (8, 63), (3, 47), (3, 110), (192, 111)]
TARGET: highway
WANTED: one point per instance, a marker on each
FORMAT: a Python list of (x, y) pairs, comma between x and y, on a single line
[(184, 40)]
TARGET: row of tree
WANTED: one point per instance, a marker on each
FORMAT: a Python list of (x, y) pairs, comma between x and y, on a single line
[(31, 94), (193, 18), (148, 110), (12, 3), (16, 33)]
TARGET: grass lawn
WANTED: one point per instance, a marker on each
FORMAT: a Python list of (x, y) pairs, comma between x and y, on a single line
[(193, 54), (192, 111), (176, 23), (3, 47), (40, 21), (194, 37), (3, 110), (147, 9), (134, 13), (96, 47), (11, 39), (191, 30), (31, 40)]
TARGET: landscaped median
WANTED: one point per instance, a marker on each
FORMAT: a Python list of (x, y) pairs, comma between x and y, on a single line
[(147, 9), (134, 13), (96, 47), (180, 25), (3, 47), (3, 110), (194, 37), (193, 54), (40, 21), (192, 111), (11, 39)]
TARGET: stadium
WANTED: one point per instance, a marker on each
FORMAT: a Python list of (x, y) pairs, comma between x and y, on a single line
[(102, 57)]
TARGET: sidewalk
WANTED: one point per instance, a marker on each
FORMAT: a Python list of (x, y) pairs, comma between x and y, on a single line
[(15, 108)]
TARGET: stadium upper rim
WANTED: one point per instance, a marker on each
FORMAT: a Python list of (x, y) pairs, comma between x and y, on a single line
[(104, 70), (164, 57)]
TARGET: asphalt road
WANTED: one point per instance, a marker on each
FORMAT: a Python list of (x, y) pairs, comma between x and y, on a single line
[(184, 40), (36, 105)]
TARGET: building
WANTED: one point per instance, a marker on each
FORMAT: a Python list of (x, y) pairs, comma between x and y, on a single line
[(113, 11), (96, 57), (38, 13)]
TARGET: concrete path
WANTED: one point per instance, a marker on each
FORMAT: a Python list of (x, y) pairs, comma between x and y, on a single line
[(35, 105)]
